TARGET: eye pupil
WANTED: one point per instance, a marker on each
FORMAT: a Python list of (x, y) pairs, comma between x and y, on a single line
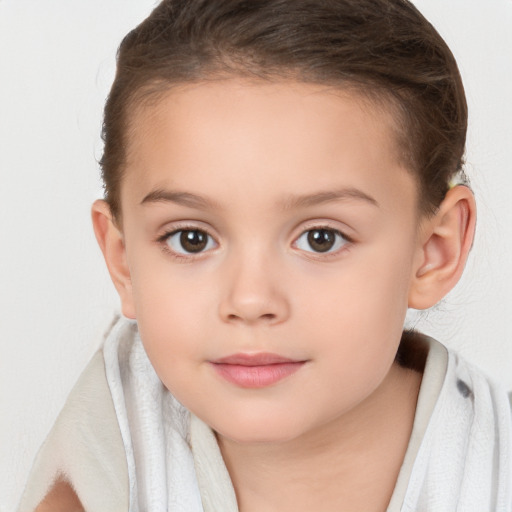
[(321, 240), (193, 241)]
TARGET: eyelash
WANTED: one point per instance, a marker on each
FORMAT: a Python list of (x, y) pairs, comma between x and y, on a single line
[(163, 241), (346, 240)]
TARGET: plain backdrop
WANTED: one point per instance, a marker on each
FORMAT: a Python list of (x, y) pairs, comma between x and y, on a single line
[(56, 299)]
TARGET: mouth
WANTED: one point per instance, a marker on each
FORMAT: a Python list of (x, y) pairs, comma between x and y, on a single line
[(255, 370)]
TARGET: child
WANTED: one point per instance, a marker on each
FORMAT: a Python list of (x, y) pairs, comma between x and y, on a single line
[(279, 181)]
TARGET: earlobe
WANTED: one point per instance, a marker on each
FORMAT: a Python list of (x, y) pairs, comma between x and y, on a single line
[(111, 242), (443, 248)]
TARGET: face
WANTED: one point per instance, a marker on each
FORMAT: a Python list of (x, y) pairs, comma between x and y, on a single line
[(270, 235)]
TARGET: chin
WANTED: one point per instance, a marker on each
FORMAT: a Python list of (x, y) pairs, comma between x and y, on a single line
[(260, 432)]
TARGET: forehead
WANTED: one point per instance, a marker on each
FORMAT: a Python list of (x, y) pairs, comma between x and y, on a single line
[(263, 138)]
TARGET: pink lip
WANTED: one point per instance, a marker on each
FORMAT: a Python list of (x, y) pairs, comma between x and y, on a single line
[(255, 370)]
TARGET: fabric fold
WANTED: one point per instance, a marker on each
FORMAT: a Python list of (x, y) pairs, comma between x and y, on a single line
[(154, 428)]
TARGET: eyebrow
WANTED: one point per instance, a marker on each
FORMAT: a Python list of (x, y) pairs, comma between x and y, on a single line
[(184, 198), (290, 203), (307, 200)]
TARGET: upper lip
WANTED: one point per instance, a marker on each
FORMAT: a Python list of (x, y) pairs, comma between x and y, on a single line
[(260, 359)]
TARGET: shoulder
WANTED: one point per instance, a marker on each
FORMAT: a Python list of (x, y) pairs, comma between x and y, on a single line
[(85, 448), (61, 498)]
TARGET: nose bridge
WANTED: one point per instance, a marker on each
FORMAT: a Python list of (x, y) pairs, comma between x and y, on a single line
[(253, 291)]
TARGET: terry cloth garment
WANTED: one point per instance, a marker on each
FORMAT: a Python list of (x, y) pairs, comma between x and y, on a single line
[(145, 452)]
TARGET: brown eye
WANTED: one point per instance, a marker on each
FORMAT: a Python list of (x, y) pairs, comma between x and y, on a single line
[(321, 240), (193, 241), (189, 241)]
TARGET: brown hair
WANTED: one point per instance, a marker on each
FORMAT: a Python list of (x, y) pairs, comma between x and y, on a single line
[(384, 49)]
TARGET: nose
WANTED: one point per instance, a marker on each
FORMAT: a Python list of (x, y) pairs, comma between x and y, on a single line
[(253, 293)]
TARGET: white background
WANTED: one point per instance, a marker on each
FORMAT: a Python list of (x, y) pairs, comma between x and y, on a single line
[(56, 299)]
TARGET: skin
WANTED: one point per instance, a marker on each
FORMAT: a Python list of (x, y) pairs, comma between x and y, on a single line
[(249, 150), (61, 498)]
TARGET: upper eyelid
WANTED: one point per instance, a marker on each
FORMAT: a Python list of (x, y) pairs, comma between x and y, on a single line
[(325, 224), (186, 226), (326, 228)]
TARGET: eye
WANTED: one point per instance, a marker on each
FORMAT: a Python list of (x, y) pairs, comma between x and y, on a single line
[(321, 240), (189, 241)]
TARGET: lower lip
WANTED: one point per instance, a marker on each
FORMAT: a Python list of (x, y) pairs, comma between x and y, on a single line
[(256, 376)]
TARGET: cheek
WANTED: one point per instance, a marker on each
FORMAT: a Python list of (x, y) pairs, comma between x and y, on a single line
[(361, 316), (170, 313), (172, 338), (369, 290)]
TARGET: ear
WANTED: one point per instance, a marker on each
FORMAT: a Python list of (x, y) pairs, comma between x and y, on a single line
[(444, 245), (111, 241)]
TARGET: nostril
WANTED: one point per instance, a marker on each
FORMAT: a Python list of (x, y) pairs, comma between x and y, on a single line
[(265, 317)]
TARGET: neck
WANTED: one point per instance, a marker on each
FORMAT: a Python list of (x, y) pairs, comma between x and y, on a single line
[(352, 463)]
